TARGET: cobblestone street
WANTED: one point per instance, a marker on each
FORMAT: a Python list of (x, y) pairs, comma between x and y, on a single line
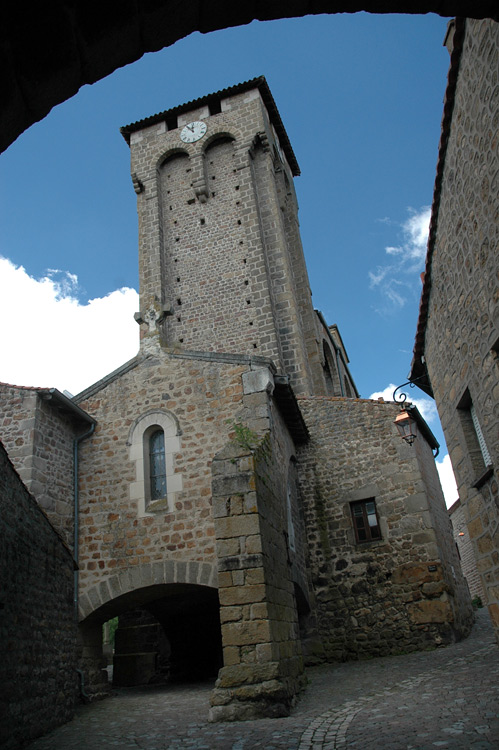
[(448, 698)]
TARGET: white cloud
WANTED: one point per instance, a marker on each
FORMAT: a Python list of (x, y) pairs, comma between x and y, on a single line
[(396, 280), (428, 411), (426, 406), (415, 231), (49, 339), (447, 480)]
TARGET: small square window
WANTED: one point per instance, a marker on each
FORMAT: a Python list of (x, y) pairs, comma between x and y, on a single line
[(365, 521)]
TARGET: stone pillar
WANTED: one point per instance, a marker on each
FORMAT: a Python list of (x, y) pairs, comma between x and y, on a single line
[(260, 635), (95, 683)]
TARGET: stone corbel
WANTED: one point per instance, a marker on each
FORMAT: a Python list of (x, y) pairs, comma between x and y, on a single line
[(200, 189), (166, 312), (138, 186), (261, 139)]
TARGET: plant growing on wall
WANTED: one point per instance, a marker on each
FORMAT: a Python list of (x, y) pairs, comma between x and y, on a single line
[(243, 436)]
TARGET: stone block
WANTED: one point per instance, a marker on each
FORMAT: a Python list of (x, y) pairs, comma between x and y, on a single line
[(247, 674), (433, 589), (485, 545), (494, 614), (253, 545), (230, 614), (239, 562), (241, 595), (417, 573), (416, 503), (246, 633), (233, 484), (430, 611), (475, 528), (245, 525), (255, 575), (259, 611), (158, 572), (224, 579), (227, 549), (250, 502), (424, 537)]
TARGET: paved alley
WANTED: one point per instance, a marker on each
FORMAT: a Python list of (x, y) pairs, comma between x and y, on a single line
[(448, 698)]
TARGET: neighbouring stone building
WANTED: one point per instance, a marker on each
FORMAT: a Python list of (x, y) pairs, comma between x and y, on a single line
[(37, 625), (465, 549), (231, 485), (456, 355)]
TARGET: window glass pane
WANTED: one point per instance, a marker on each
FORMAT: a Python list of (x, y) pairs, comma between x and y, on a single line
[(481, 440), (157, 465), (157, 442), (158, 487), (365, 521)]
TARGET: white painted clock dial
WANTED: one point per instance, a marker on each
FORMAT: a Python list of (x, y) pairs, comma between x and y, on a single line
[(193, 131)]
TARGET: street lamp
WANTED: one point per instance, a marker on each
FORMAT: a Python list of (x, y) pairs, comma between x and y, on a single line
[(406, 426)]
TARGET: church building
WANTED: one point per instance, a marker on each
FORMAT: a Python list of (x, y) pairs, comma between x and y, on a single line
[(227, 493)]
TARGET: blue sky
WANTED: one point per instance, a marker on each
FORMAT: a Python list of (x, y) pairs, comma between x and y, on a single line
[(361, 98)]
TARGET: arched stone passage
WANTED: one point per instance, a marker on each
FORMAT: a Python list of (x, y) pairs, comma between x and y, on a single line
[(183, 599), (144, 582), (48, 54)]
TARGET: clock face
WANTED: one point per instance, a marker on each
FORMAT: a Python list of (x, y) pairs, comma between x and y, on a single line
[(193, 131)]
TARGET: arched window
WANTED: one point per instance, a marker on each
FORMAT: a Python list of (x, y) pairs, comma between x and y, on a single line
[(154, 441), (157, 465)]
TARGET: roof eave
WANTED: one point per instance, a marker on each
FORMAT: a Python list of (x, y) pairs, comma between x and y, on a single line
[(260, 83), (418, 365)]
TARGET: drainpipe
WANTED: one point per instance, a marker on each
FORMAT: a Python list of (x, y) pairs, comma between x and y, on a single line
[(83, 692), (76, 443)]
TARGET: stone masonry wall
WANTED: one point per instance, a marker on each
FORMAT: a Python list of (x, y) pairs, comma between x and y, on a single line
[(18, 416), (385, 596), (465, 547), (462, 334), (37, 631), (455, 583), (202, 395), (262, 653), (39, 440)]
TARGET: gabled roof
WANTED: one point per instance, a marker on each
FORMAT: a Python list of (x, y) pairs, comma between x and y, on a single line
[(59, 401), (254, 83)]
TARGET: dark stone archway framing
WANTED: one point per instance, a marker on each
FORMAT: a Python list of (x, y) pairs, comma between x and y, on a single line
[(50, 52)]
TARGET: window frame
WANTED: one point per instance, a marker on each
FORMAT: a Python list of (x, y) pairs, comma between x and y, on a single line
[(474, 441), (365, 515), (140, 433)]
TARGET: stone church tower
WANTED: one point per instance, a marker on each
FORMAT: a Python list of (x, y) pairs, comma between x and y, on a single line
[(221, 262), (237, 505)]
